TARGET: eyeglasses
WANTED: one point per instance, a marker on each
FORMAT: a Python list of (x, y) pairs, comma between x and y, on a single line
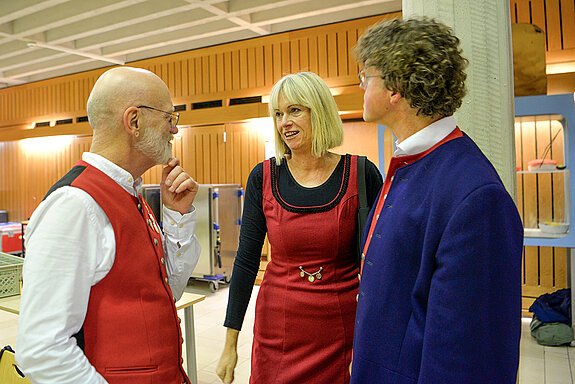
[(174, 117), (364, 79)]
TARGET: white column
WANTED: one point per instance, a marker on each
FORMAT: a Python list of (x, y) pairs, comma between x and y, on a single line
[(487, 113)]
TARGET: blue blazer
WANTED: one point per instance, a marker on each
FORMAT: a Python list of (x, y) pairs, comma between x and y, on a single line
[(440, 293)]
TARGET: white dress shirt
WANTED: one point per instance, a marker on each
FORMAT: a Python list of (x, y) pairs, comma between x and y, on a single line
[(70, 246), (423, 140)]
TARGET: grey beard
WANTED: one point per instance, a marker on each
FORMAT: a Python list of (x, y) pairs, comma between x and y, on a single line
[(150, 145)]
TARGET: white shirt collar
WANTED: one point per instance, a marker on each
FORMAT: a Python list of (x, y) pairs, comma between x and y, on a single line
[(426, 138), (115, 172)]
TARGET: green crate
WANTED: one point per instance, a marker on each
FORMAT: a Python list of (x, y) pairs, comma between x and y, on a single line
[(10, 274)]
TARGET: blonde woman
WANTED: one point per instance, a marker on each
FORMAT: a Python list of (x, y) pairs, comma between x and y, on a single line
[(306, 200)]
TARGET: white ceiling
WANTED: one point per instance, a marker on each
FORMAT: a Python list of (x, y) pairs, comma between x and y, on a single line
[(41, 39)]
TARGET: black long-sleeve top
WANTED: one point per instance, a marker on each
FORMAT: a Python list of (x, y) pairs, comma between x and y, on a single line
[(253, 229)]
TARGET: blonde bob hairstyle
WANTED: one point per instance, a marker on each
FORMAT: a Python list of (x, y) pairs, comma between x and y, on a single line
[(308, 90)]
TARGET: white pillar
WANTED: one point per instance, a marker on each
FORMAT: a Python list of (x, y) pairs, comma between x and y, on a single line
[(487, 113)]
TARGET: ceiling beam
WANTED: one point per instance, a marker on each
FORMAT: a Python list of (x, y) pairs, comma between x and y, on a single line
[(12, 10), (34, 44), (11, 81), (236, 19), (65, 14)]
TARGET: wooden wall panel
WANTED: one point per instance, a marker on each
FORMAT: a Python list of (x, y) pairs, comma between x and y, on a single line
[(341, 38), (285, 57), (23, 187), (323, 58), (568, 23), (251, 67), (268, 64), (529, 181), (294, 51), (553, 21), (332, 55), (246, 147), (544, 182), (518, 148), (314, 56), (538, 13), (202, 150), (521, 12), (531, 266), (209, 159), (235, 70), (561, 256), (360, 138), (558, 182), (303, 45), (556, 18)]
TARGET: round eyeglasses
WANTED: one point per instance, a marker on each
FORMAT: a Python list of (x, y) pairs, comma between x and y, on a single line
[(364, 79)]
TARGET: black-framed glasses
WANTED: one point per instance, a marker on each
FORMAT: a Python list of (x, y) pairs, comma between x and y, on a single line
[(364, 79), (174, 117)]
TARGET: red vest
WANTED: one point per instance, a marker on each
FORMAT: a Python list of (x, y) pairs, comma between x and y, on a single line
[(131, 331)]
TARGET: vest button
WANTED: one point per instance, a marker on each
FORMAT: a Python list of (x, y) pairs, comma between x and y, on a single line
[(166, 280), (139, 206), (156, 242), (182, 360), (179, 320), (163, 261)]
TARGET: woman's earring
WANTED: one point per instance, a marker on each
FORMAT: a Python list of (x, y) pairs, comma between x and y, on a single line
[(137, 133)]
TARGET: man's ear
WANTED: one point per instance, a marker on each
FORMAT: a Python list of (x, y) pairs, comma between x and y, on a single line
[(130, 121), (394, 97)]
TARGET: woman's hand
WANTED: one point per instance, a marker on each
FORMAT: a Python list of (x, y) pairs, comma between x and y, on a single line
[(229, 358)]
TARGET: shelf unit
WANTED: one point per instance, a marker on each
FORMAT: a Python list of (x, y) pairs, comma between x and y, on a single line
[(562, 106)]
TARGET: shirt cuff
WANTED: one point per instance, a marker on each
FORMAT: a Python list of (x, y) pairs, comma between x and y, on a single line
[(177, 225)]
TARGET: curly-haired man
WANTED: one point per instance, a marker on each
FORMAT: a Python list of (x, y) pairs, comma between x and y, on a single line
[(440, 293)]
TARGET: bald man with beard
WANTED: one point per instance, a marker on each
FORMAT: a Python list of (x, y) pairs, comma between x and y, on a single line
[(100, 275)]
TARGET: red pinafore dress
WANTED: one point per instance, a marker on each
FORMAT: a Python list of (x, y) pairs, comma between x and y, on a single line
[(305, 310)]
